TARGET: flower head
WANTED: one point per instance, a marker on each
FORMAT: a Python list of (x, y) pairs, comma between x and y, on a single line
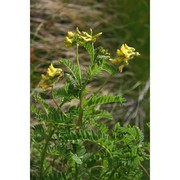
[(52, 75), (44, 85), (70, 34), (44, 77), (54, 71), (80, 37), (124, 54), (68, 42)]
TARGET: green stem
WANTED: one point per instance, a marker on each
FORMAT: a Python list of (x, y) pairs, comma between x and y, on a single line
[(81, 109), (50, 165), (92, 56), (81, 93), (77, 172), (102, 86), (91, 66), (144, 169), (77, 59), (43, 154)]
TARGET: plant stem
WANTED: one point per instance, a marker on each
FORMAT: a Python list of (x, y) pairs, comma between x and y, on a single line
[(92, 56), (101, 87), (80, 109), (77, 172), (77, 59), (81, 93), (144, 169), (43, 154)]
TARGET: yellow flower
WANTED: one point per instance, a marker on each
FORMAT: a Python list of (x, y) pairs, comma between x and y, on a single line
[(120, 68), (80, 37), (44, 85), (86, 39), (116, 60), (124, 54), (68, 42), (70, 34), (86, 34), (77, 30), (97, 35), (48, 79), (69, 39), (44, 77), (54, 71)]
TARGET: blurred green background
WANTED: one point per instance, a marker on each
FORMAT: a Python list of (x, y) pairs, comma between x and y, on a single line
[(121, 21)]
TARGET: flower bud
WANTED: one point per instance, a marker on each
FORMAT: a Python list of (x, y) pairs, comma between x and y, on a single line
[(77, 30), (70, 34)]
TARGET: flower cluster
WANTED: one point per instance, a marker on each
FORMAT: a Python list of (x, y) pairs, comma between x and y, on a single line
[(48, 79), (124, 54), (79, 37), (69, 39)]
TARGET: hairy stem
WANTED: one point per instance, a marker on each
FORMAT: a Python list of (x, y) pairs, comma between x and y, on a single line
[(77, 171), (144, 169), (81, 93), (92, 56), (77, 60), (81, 109), (43, 154)]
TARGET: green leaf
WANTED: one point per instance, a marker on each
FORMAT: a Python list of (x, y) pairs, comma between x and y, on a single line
[(71, 80), (52, 116), (65, 93), (89, 47), (95, 70), (76, 159), (110, 68), (43, 103), (94, 101), (101, 55), (73, 89), (61, 92), (34, 109), (73, 68), (92, 114), (56, 116), (103, 114)]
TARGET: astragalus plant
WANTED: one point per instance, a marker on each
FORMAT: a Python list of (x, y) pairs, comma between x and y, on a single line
[(71, 141)]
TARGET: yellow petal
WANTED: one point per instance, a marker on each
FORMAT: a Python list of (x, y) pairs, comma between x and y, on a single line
[(86, 39), (137, 54), (97, 35), (129, 48), (68, 40), (121, 68), (70, 34), (44, 77), (86, 34), (77, 30), (124, 50), (43, 85), (119, 52), (116, 61), (54, 71)]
